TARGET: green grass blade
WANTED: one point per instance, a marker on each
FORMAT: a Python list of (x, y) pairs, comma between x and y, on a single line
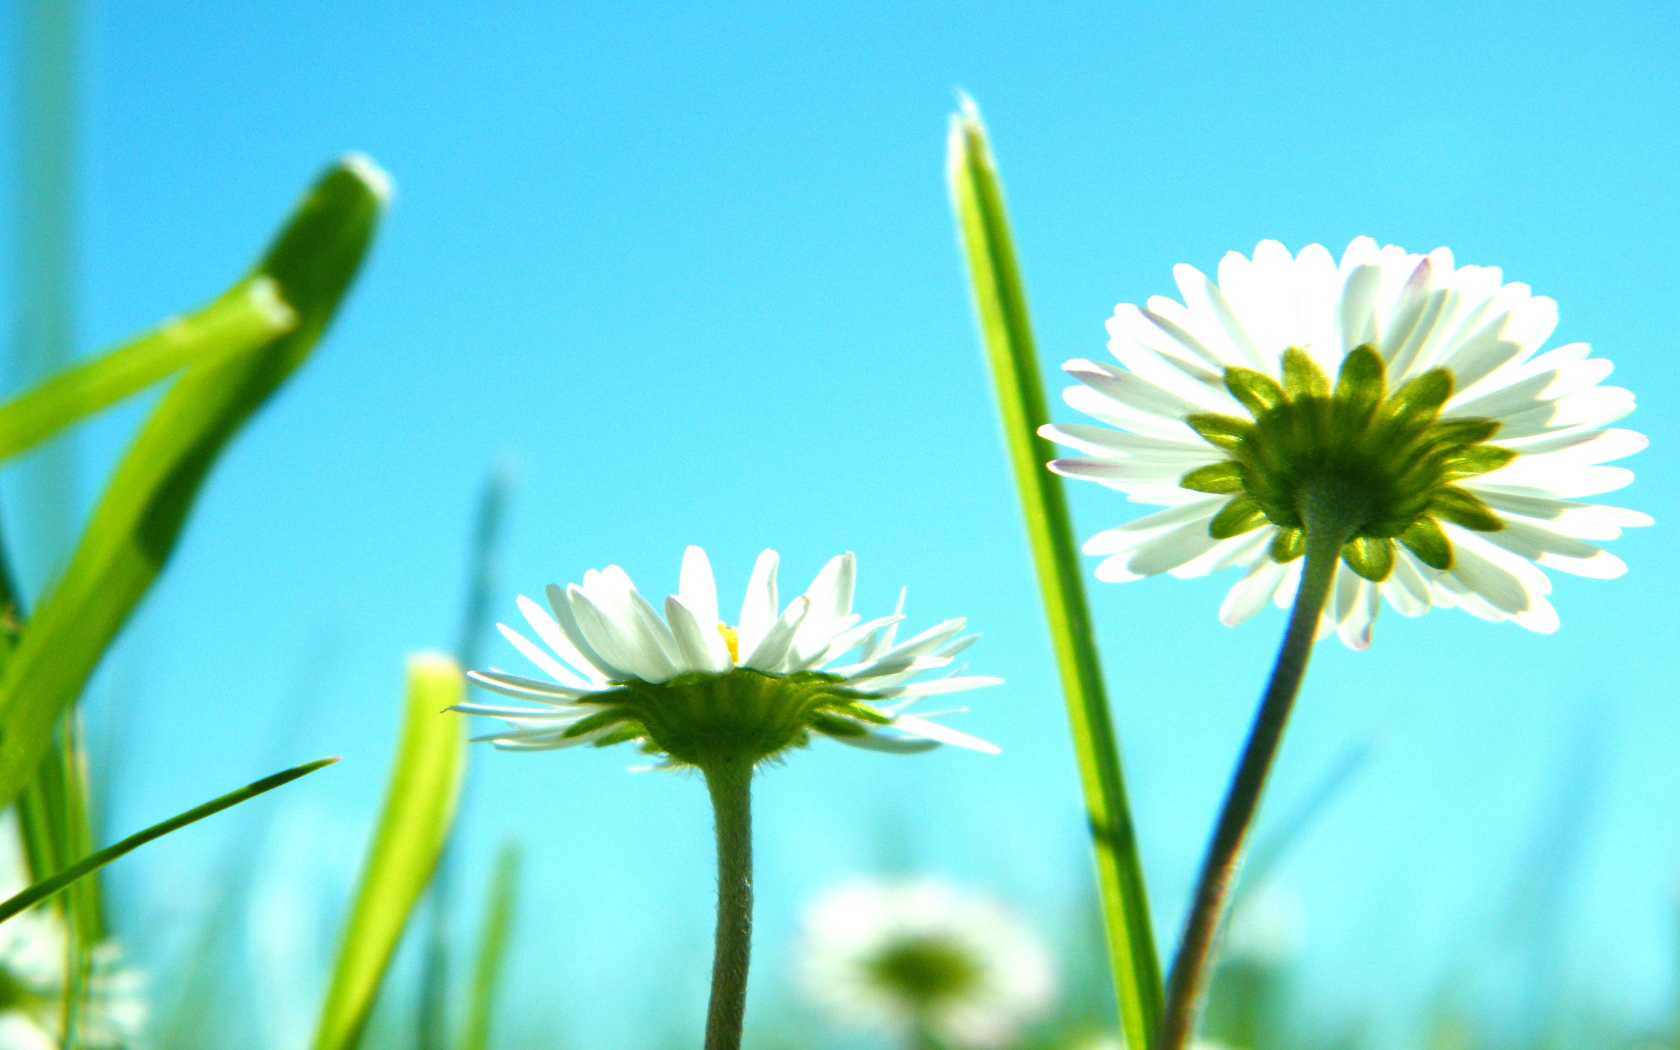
[(419, 806), (139, 516), (244, 319), (45, 888), (1007, 334), (492, 950)]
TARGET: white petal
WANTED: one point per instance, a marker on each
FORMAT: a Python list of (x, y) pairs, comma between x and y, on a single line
[(758, 609), (1237, 550), (1084, 399), (1406, 589), (1251, 592), (556, 639), (942, 686), (1556, 551), (943, 734), (525, 688), (561, 602), (622, 648), (533, 652), (769, 654), (1104, 441), (697, 587), (1132, 391), (1128, 536), (701, 647)]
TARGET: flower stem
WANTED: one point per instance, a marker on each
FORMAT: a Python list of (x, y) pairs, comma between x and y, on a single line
[(730, 785), (1328, 527)]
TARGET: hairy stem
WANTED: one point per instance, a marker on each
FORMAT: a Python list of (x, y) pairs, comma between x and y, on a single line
[(1328, 527), (731, 789)]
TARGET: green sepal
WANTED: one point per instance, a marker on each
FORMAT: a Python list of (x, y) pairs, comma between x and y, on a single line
[(1464, 431), (1302, 377), (1464, 509), (1225, 432), (1370, 557), (1258, 392), (834, 725), (624, 734), (1221, 479), (1288, 545), (1361, 383), (1425, 539), (1235, 518), (1477, 460), (598, 720), (1414, 405)]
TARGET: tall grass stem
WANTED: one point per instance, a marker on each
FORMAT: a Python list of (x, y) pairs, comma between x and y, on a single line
[(1006, 331)]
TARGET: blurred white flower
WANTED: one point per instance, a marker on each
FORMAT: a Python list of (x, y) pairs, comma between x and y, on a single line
[(688, 687), (1407, 387), (33, 964), (922, 957)]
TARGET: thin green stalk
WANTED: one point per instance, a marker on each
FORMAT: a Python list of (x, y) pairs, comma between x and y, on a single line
[(1327, 528), (46, 888), (1007, 332), (730, 785)]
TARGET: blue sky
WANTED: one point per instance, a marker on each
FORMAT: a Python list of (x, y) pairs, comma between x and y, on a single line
[(690, 267)]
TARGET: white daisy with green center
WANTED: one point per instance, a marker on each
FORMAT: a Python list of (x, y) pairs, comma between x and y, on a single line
[(722, 699), (697, 691), (1406, 392), (924, 961)]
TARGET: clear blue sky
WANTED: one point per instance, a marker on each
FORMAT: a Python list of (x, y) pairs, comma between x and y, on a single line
[(691, 266)]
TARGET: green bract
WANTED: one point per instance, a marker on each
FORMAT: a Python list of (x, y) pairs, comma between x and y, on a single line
[(741, 716), (1389, 460)]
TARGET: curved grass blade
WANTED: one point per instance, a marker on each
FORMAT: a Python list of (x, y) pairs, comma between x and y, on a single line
[(492, 950), (44, 889), (139, 517), (1007, 333), (419, 806), (244, 319)]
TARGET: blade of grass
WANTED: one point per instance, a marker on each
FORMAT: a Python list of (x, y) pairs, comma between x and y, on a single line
[(431, 1018), (45, 888), (1007, 333), (492, 950), (419, 806), (243, 320), (139, 517)]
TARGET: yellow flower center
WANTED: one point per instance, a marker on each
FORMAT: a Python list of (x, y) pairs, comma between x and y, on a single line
[(732, 639)]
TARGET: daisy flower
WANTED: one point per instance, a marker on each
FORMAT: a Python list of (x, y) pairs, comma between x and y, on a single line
[(1412, 390), (921, 959), (696, 691)]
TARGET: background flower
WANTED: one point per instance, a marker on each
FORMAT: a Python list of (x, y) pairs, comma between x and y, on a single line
[(923, 956)]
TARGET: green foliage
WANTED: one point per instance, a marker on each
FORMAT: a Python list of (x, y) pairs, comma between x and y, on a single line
[(492, 950), (138, 519), (413, 827), (1007, 334), (246, 318)]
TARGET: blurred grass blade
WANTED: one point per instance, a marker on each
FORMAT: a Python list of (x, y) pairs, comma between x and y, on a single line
[(45, 888), (139, 516), (1007, 333), (419, 805), (247, 317), (492, 949)]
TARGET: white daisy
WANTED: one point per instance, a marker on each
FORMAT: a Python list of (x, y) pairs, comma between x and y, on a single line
[(697, 691), (1416, 385), (923, 958)]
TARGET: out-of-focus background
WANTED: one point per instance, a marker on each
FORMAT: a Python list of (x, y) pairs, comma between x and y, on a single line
[(688, 271)]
